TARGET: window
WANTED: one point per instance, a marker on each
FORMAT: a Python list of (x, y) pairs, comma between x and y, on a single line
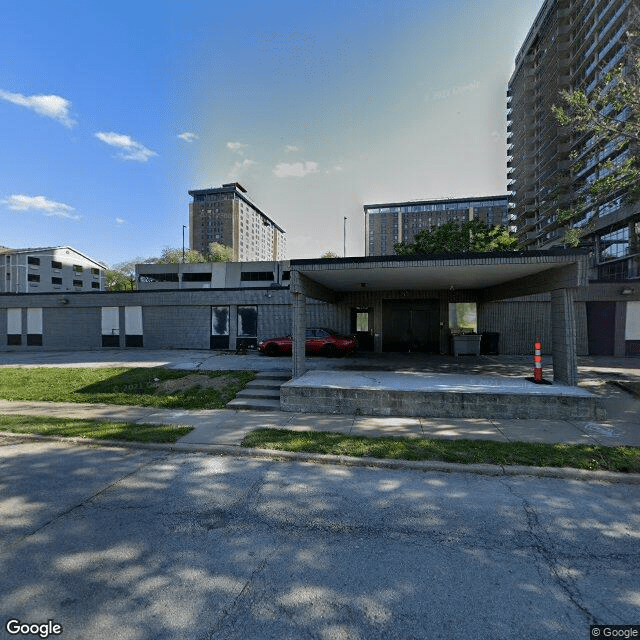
[(77, 283), (78, 268), (158, 277), (95, 285), (33, 277), (219, 321), (33, 261), (248, 321), (196, 277), (255, 276), (94, 271), (463, 317), (614, 245), (55, 280), (56, 265)]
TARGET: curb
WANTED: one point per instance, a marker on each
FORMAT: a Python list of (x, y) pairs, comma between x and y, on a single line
[(561, 473)]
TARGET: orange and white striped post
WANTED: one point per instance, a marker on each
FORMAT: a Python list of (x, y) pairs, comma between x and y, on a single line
[(537, 362)]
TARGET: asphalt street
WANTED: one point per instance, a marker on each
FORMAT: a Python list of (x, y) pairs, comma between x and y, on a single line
[(135, 544)]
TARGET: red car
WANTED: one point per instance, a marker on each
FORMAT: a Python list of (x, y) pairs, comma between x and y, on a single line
[(323, 342)]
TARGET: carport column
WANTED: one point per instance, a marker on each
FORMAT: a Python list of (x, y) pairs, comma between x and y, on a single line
[(563, 332), (444, 322), (377, 326), (298, 333)]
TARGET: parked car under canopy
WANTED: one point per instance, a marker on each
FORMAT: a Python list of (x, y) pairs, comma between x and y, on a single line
[(320, 341)]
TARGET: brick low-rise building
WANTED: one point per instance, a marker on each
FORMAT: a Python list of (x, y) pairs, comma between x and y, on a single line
[(393, 303)]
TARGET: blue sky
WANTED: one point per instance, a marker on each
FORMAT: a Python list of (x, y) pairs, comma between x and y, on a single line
[(110, 112)]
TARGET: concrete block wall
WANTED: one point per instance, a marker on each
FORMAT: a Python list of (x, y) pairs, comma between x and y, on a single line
[(182, 327), (274, 320), (66, 328), (520, 321), (331, 316)]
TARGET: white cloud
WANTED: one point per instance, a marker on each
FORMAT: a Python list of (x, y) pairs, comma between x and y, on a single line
[(239, 167), (50, 106), (131, 149), (120, 220), (237, 147), (295, 170), (19, 202), (291, 148), (187, 136)]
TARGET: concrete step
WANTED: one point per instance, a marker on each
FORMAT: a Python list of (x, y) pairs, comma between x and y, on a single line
[(265, 384), (259, 393), (274, 375), (262, 393), (254, 404)]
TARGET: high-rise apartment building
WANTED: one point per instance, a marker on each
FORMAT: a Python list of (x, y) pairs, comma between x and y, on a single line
[(390, 223), (226, 215), (572, 45)]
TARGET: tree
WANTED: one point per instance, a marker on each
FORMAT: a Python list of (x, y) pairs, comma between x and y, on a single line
[(606, 124), (454, 237), (217, 253), (122, 276), (329, 254), (170, 255)]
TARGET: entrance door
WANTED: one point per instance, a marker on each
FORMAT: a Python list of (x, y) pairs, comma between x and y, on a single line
[(411, 325), (362, 327), (601, 328)]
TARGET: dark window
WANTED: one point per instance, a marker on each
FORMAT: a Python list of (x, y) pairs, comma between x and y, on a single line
[(95, 285), (248, 321), (56, 265), (32, 277), (77, 268), (158, 277), (219, 321), (77, 283), (196, 277), (95, 272), (32, 260), (55, 280), (286, 275), (254, 276)]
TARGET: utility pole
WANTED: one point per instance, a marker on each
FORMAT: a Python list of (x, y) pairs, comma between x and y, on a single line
[(184, 226)]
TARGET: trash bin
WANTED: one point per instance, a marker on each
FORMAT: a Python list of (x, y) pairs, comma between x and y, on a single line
[(489, 343)]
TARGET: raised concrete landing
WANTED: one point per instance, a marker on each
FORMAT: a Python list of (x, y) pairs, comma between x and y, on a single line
[(437, 395)]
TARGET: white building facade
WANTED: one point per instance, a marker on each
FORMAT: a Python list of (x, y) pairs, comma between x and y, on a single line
[(49, 269)]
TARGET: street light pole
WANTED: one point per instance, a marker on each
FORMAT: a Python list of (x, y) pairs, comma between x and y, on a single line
[(184, 226), (344, 239)]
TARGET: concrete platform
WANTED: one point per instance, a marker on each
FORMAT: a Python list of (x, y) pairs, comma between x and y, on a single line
[(428, 394)]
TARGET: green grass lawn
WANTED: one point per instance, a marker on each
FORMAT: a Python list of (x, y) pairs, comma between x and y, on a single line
[(142, 386), (578, 456), (98, 429)]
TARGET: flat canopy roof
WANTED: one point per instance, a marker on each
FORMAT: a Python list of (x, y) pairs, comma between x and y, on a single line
[(497, 273)]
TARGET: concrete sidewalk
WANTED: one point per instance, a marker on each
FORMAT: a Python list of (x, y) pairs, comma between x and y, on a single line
[(228, 427)]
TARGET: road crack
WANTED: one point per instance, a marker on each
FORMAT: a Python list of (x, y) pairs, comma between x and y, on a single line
[(82, 503), (542, 544)]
